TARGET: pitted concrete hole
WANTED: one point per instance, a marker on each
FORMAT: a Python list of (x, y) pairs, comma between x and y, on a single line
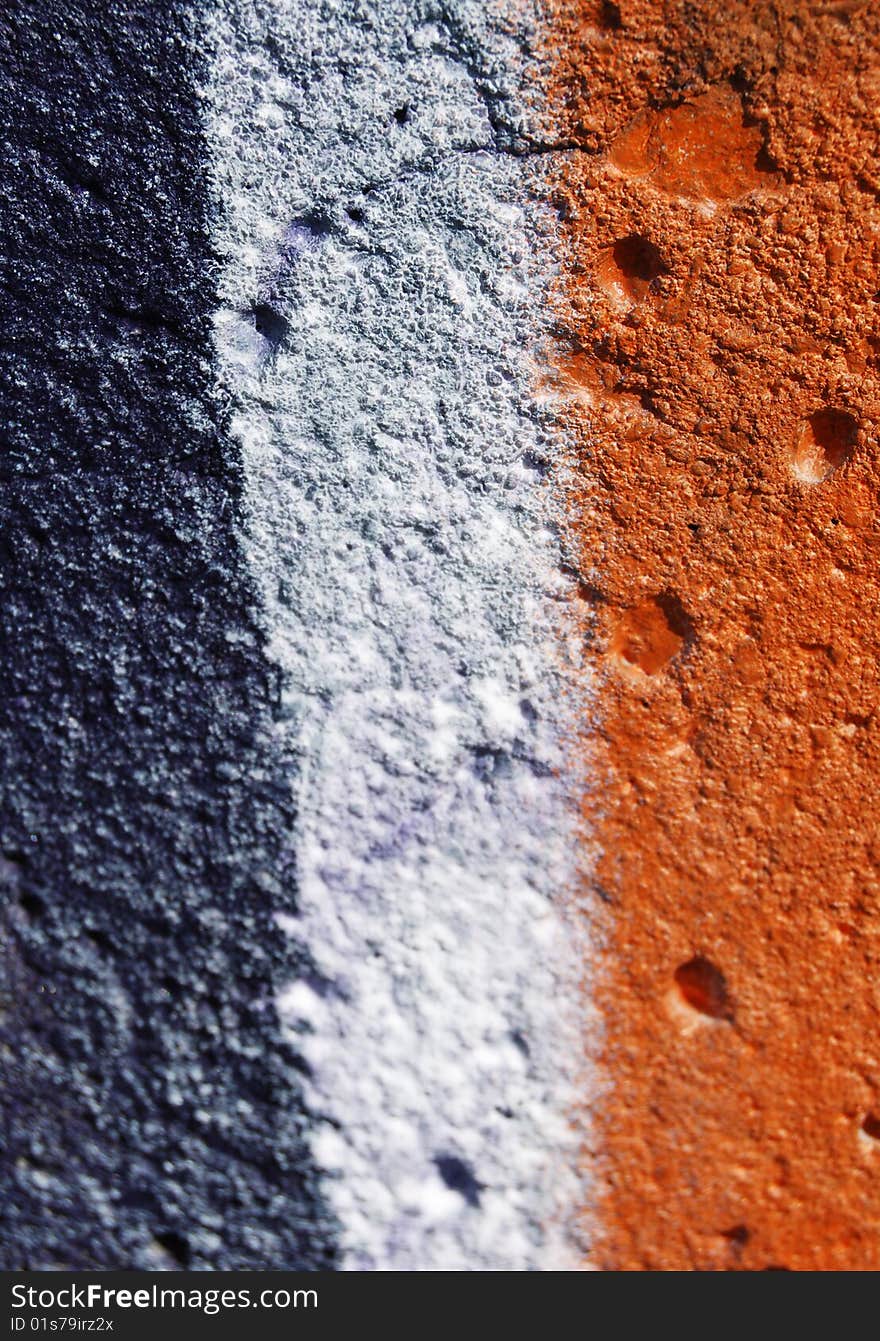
[(628, 268), (650, 634), (825, 443), (32, 905), (459, 1177), (869, 1131), (271, 324), (610, 17), (739, 1235), (702, 988), (176, 1246)]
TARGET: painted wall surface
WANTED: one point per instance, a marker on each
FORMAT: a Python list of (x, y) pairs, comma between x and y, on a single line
[(286, 830), (438, 531)]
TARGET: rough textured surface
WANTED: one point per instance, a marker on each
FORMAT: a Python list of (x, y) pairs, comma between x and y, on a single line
[(719, 359), (152, 1105), (381, 291)]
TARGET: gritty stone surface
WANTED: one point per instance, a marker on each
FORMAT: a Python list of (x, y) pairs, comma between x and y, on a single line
[(719, 361), (383, 266), (152, 1105)]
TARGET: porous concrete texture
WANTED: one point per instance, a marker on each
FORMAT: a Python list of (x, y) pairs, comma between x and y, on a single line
[(152, 1105), (384, 260), (719, 358)]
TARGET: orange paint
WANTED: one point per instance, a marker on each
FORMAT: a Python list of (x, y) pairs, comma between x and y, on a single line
[(720, 364), (699, 150)]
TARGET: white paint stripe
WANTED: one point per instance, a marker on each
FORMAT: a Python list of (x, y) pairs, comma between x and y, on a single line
[(398, 534)]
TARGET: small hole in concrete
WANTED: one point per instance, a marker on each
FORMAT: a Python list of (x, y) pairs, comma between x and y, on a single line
[(703, 988), (459, 1177), (269, 323), (313, 224), (176, 1246), (628, 268), (825, 444), (871, 1127), (738, 1235), (32, 904), (651, 633), (637, 258), (519, 1040), (402, 115), (609, 16), (83, 179)]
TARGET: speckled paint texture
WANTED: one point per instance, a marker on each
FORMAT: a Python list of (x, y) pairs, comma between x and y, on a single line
[(385, 256), (153, 1110), (718, 357), (439, 623)]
